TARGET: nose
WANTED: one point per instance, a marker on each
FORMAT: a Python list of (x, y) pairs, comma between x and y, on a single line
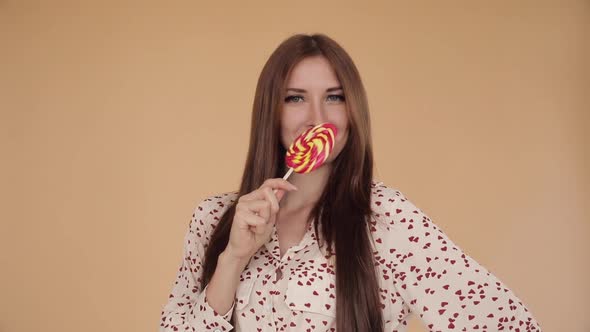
[(316, 113)]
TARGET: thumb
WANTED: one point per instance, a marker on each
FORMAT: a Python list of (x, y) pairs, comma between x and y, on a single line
[(273, 219), (280, 194)]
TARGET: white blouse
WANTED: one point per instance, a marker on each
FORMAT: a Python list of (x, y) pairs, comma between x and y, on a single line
[(420, 271)]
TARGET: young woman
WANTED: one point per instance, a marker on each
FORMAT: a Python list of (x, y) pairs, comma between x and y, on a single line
[(332, 250)]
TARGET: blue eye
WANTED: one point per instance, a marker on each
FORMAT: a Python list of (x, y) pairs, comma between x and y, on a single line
[(289, 99), (338, 97), (297, 98)]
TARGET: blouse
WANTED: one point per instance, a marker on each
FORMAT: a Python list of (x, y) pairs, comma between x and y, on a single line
[(419, 269)]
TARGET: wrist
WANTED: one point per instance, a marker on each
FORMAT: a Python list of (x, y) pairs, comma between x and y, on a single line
[(227, 258)]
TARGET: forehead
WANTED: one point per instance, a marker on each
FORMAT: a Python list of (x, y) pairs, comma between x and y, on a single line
[(315, 71)]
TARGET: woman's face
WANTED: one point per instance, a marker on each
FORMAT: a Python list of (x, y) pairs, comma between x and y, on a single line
[(314, 95)]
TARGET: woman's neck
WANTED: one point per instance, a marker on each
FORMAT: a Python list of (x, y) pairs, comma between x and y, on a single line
[(310, 185)]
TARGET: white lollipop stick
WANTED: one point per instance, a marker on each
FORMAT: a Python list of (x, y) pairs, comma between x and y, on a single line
[(288, 173), (274, 191)]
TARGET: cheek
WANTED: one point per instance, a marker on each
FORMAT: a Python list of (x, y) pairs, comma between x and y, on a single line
[(287, 129), (285, 138), (344, 134), (341, 123), (341, 138)]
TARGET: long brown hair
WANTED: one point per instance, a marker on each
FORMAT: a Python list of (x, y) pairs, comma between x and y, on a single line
[(344, 207)]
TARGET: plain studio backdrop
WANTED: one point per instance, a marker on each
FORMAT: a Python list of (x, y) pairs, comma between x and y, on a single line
[(118, 117)]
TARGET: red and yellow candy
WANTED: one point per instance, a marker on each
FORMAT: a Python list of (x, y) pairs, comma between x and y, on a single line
[(311, 148)]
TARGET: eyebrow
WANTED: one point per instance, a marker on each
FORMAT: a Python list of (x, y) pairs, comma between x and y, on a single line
[(304, 91)]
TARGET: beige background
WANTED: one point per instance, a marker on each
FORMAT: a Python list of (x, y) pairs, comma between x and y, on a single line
[(118, 117)]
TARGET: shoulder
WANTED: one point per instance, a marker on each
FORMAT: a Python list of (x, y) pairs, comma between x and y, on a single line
[(216, 204), (208, 212), (390, 205), (396, 219)]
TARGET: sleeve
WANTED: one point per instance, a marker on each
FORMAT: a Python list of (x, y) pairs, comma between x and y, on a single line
[(187, 308), (444, 286)]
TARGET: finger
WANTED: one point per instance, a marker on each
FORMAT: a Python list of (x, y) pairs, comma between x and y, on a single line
[(278, 183), (259, 230), (260, 207), (273, 184), (274, 207), (250, 219), (272, 220), (270, 196), (280, 194)]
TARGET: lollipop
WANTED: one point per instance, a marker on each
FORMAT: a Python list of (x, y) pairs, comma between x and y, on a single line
[(311, 149)]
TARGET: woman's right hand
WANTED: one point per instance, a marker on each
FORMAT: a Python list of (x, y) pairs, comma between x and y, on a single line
[(255, 218)]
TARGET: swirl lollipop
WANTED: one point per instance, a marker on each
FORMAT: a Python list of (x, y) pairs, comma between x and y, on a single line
[(311, 149)]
